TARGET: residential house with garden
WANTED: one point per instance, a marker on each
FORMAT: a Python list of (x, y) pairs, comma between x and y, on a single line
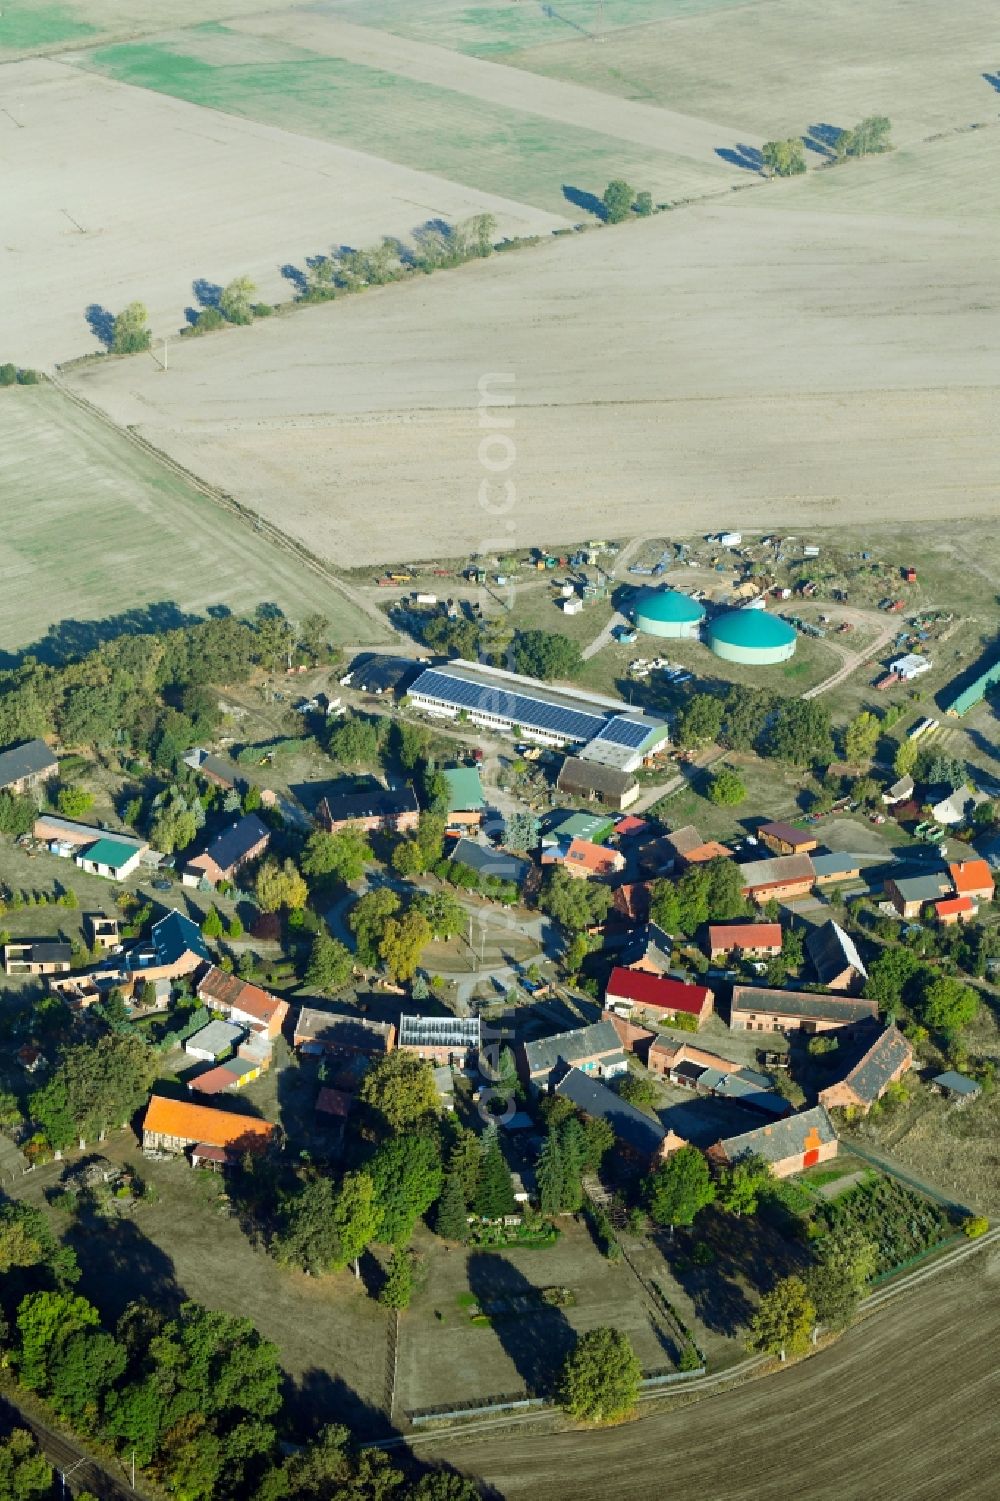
[(595, 1049), (228, 853), (634, 990)]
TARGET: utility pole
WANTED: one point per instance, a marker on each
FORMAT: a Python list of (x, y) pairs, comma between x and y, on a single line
[(133, 1469), (65, 1474)]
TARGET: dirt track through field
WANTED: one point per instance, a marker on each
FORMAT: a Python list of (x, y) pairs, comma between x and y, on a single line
[(903, 1406), (569, 103)]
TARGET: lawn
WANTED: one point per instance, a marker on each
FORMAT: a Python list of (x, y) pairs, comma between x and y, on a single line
[(99, 538)]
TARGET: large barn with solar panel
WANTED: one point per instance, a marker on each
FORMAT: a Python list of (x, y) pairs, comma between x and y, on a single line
[(607, 732)]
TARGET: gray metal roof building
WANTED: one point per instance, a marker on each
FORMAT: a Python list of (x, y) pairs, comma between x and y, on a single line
[(831, 951), (780, 1140), (809, 1005), (599, 1040), (459, 1032), (639, 1132), (30, 760)]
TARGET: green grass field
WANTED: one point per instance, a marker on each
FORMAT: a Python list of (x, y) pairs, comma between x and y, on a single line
[(499, 150), (491, 30), (93, 528), (23, 28)]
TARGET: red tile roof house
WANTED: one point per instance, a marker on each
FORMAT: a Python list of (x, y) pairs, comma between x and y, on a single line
[(630, 903), (583, 859), (689, 848), (228, 853), (751, 940), (886, 1058), (781, 878), (952, 909), (633, 989), (242, 1002), (972, 878)]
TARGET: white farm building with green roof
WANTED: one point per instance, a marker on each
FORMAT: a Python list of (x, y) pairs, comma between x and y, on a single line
[(669, 613)]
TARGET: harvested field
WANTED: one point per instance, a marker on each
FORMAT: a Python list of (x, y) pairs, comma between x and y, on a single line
[(93, 528), (158, 194), (738, 365), (907, 1398), (782, 66), (31, 26)]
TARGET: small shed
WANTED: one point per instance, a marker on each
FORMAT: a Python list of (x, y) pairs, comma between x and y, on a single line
[(214, 1041), (956, 1087)]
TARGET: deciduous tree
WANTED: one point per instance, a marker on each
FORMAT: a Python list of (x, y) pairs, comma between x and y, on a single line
[(600, 1379), (784, 1321), (399, 1089), (679, 1188)]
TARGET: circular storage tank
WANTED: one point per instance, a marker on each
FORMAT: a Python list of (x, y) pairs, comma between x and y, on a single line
[(667, 612), (751, 636)]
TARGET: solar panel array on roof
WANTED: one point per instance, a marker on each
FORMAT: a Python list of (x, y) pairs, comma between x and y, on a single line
[(520, 708), (622, 731)]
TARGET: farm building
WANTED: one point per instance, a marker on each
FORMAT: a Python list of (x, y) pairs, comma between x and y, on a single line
[(911, 894), (689, 848), (786, 839), (650, 950), (213, 1041), (829, 869), (630, 902), (595, 1049), (834, 957), (604, 784), (326, 1032), (633, 1038), (757, 1009), (465, 797), (378, 673), (910, 666), (214, 769), (235, 847), (594, 827), (381, 808), (37, 958), (638, 1134), (635, 990), (175, 948), (788, 1146), (899, 792), (668, 613), (973, 693), (782, 878), (440, 1039), (25, 767), (487, 861), (583, 859), (886, 1057), (747, 940), (508, 702), (752, 637), (212, 1136), (244, 1004), (115, 859), (956, 1087), (688, 1067)]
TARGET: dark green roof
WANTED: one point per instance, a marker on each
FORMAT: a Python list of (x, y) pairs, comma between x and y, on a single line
[(113, 852)]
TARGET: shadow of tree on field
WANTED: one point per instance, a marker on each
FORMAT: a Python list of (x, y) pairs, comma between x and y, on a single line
[(589, 202), (822, 137), (101, 322), (747, 157), (69, 639), (993, 79), (537, 1338), (119, 1265)]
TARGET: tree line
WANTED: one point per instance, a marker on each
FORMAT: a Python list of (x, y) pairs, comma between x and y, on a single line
[(786, 158)]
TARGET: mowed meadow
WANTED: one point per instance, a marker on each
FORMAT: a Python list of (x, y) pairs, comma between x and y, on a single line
[(93, 528)]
